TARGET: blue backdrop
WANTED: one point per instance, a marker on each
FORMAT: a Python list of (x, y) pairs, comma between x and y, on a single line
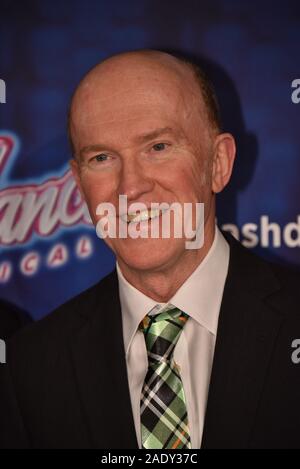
[(48, 249)]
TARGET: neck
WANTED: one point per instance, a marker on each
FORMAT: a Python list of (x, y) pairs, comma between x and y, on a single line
[(162, 284)]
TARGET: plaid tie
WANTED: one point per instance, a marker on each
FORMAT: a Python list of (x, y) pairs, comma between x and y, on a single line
[(164, 421)]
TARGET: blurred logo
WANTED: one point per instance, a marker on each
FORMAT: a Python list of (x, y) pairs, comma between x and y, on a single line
[(33, 210), (39, 208)]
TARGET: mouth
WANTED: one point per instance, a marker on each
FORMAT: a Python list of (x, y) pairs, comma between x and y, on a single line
[(143, 215)]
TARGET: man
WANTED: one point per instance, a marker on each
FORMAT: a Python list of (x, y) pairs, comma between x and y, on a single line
[(177, 348)]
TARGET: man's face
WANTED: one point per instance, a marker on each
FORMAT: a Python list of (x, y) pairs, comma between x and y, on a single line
[(142, 135)]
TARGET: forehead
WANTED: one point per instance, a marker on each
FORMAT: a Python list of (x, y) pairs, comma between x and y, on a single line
[(103, 101), (133, 102)]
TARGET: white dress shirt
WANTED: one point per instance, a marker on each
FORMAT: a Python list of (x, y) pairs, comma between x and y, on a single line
[(200, 297)]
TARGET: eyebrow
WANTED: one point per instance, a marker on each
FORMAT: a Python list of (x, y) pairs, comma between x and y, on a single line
[(139, 139), (154, 134)]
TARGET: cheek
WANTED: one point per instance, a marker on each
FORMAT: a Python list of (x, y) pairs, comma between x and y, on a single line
[(95, 184), (189, 180), (201, 177), (96, 190)]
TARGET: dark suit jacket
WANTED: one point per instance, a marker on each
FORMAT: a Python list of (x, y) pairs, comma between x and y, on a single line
[(67, 382), (11, 319)]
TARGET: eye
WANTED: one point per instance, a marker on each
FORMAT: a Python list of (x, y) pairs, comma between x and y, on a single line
[(97, 159), (101, 157), (159, 146)]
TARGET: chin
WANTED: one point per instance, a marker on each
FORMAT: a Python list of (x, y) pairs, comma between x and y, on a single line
[(148, 254)]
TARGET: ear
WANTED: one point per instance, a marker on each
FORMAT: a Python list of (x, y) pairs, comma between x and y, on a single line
[(224, 155), (76, 174)]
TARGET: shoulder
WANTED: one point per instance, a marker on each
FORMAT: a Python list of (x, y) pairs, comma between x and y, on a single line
[(55, 328), (287, 276), (12, 319), (288, 297), (271, 278)]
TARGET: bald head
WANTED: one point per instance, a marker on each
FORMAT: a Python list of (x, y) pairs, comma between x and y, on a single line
[(149, 75)]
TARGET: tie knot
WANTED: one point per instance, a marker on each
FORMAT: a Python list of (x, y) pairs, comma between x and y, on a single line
[(162, 332)]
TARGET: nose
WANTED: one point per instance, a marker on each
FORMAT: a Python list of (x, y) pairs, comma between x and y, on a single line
[(134, 182)]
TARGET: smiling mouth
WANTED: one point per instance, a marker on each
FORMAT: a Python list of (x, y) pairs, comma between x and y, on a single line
[(144, 215)]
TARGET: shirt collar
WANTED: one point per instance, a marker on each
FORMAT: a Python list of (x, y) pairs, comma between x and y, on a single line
[(199, 296)]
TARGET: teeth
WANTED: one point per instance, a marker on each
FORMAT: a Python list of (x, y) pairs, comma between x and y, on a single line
[(142, 216)]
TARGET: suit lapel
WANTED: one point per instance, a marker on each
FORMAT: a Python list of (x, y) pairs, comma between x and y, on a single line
[(100, 369), (247, 329)]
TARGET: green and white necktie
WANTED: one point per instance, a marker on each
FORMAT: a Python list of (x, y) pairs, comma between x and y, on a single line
[(164, 420)]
